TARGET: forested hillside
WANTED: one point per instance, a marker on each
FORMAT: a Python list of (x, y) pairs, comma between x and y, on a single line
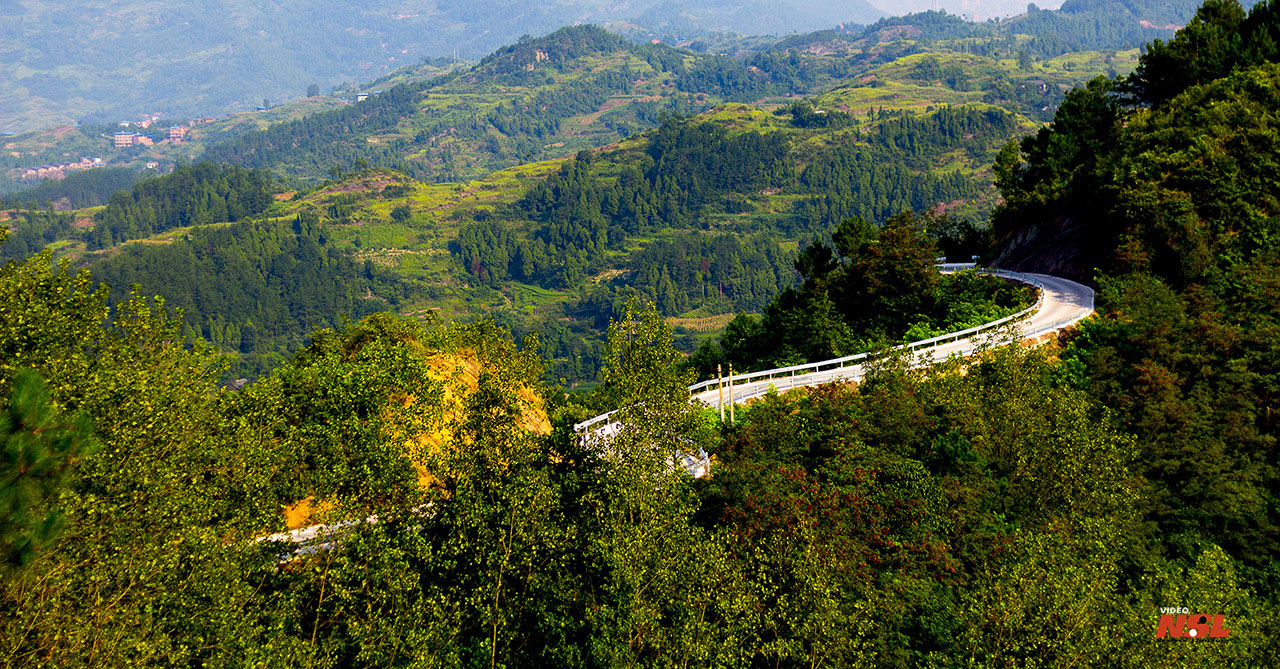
[(586, 87), (254, 290), (78, 190), (1160, 188), (705, 216), (176, 58), (582, 87), (736, 169), (196, 195)]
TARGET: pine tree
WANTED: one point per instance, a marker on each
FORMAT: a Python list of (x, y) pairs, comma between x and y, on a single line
[(38, 449)]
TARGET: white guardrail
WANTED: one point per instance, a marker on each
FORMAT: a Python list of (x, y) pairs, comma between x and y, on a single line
[(795, 376), (316, 538)]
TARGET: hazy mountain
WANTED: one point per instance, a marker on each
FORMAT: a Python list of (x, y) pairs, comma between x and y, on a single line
[(105, 61), (755, 17), (979, 10), (1156, 12), (184, 57)]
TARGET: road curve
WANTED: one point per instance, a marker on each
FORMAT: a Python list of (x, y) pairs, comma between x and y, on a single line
[(1063, 303), (1060, 304)]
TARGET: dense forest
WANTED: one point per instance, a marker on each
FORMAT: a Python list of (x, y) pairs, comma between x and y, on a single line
[(581, 217), (1161, 180), (716, 272), (692, 170), (32, 230), (199, 194), (87, 188), (887, 172), (255, 291), (195, 195)]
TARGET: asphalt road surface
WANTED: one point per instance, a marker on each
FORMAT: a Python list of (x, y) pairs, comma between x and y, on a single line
[(1064, 302)]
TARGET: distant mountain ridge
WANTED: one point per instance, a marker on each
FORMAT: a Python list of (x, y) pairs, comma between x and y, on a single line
[(512, 107), (106, 61), (756, 17), (582, 87)]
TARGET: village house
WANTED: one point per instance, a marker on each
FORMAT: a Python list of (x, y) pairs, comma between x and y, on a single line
[(124, 139), (43, 172), (60, 171)]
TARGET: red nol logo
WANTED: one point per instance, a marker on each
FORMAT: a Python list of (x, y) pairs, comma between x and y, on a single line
[(1194, 626)]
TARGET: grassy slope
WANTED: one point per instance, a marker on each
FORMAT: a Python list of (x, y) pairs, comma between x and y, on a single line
[(897, 86)]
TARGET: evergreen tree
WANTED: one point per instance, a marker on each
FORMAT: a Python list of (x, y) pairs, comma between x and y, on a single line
[(39, 446)]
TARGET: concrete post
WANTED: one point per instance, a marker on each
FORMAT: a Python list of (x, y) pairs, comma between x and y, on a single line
[(720, 387)]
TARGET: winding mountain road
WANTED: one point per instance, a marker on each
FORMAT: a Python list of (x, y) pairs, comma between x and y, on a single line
[(1060, 304)]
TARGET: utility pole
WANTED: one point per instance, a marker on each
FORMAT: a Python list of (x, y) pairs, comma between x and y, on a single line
[(720, 387)]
